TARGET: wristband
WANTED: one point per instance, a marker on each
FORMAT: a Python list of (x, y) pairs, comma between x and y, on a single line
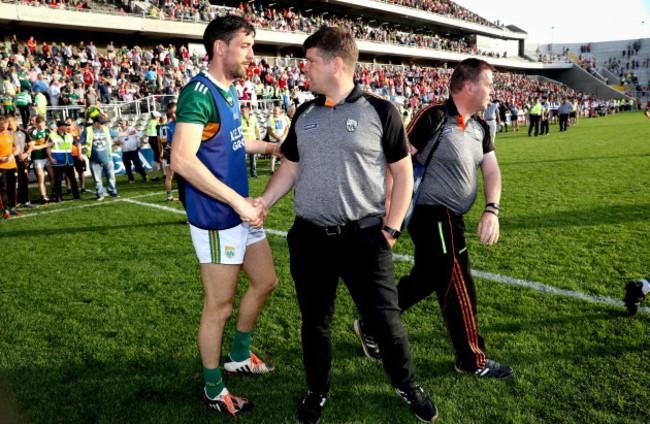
[(492, 205), (492, 212), (268, 149)]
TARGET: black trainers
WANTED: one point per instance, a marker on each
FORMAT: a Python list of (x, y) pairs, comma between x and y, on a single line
[(492, 369), (311, 407), (633, 296), (368, 343), (421, 404), (228, 403)]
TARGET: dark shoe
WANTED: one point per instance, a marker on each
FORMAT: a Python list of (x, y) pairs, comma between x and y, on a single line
[(254, 176), (421, 404), (492, 369), (156, 179), (310, 408), (82, 190), (228, 403), (633, 296), (368, 343), (115, 195)]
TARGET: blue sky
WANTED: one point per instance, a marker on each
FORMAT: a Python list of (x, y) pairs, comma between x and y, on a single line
[(574, 21)]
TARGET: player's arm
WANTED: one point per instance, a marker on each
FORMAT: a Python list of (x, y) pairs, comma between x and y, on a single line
[(262, 147), (185, 145), (647, 112), (30, 145), (49, 153), (488, 226)]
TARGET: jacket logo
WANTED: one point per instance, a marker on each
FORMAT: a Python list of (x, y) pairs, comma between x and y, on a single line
[(230, 252), (351, 125), (447, 131)]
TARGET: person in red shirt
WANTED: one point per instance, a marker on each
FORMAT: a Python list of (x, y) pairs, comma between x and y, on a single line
[(31, 43)]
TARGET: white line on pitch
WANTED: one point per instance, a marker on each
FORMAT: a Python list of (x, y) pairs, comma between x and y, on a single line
[(544, 288), (165, 208)]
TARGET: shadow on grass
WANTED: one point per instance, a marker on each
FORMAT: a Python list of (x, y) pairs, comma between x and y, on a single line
[(579, 217), (169, 391), (577, 159), (90, 229)]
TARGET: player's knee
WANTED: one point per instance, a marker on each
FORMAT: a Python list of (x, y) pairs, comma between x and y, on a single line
[(218, 314), (273, 284)]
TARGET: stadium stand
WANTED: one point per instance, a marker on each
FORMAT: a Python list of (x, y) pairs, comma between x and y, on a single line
[(133, 81)]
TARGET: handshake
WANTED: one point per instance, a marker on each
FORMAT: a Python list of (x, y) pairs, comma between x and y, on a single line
[(253, 211)]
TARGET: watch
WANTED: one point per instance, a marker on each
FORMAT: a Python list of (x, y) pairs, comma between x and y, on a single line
[(393, 232), (492, 205)]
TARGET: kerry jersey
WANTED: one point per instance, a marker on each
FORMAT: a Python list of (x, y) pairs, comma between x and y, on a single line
[(222, 149)]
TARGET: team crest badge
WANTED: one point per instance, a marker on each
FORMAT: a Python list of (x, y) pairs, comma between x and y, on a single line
[(351, 125), (230, 252)]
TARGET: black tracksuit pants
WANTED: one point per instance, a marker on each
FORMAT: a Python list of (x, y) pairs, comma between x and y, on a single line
[(534, 122), (23, 181), (7, 188), (60, 172), (363, 259), (442, 266), (130, 160), (564, 121)]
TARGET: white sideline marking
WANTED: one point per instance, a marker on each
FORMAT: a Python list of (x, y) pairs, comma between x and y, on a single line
[(60, 210), (165, 208), (544, 288)]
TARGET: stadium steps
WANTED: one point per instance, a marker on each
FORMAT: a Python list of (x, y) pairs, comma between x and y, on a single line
[(575, 59)]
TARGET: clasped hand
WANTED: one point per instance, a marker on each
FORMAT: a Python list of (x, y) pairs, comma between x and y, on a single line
[(253, 211)]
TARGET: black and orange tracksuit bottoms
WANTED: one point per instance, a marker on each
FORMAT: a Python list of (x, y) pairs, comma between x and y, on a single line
[(442, 266)]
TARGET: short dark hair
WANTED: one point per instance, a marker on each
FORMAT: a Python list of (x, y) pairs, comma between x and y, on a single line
[(334, 42), (468, 70), (225, 28)]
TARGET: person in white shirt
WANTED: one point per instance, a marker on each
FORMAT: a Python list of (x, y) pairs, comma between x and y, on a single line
[(277, 128), (130, 151), (55, 93)]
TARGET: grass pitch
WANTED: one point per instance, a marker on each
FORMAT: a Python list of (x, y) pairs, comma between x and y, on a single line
[(100, 304)]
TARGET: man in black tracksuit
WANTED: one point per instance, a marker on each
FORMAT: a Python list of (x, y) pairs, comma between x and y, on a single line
[(448, 191), (337, 152)]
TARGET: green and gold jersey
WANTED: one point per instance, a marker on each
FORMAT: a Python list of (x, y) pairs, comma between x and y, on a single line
[(8, 102), (196, 106), (40, 138), (23, 77)]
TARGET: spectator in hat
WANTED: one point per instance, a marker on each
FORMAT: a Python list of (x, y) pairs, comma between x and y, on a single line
[(60, 155), (98, 139)]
